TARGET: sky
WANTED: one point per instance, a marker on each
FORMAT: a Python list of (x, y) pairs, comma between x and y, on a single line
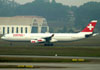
[(65, 2)]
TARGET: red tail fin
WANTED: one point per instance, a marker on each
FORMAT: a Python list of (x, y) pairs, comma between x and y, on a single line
[(90, 27)]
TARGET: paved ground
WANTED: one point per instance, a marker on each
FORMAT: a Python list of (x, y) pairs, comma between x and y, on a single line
[(67, 66), (70, 66), (70, 57)]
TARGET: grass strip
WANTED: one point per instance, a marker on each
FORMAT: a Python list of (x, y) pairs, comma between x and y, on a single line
[(51, 51)]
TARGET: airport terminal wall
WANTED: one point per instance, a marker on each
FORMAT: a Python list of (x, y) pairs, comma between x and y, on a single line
[(23, 24)]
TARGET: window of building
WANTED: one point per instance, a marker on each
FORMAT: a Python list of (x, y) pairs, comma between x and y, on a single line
[(3, 30), (35, 20), (12, 29), (44, 21), (43, 29), (25, 29), (34, 30), (16, 29), (35, 23), (21, 29), (7, 30)]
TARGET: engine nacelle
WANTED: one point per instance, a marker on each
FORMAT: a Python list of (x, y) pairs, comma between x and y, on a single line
[(38, 41), (41, 40), (34, 41), (95, 34)]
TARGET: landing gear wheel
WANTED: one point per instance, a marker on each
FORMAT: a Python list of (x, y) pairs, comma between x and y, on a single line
[(50, 44), (11, 44)]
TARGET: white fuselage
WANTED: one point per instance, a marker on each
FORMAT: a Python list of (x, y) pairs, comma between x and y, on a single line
[(35, 36), (48, 38)]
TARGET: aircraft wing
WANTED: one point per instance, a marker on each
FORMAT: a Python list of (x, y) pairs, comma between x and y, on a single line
[(48, 39), (44, 39)]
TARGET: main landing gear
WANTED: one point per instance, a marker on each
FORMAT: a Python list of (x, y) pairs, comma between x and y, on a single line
[(48, 44)]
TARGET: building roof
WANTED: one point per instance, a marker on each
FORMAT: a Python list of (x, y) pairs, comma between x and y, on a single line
[(23, 20)]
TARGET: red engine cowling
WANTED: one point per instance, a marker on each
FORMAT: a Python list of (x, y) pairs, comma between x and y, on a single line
[(38, 41), (34, 41)]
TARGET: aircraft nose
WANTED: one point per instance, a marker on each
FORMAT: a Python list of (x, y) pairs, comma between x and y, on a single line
[(2, 37)]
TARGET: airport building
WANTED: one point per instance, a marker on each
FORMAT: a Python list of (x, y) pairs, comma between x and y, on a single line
[(23, 24)]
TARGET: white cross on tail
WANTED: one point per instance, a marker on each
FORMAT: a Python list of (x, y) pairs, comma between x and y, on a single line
[(90, 27)]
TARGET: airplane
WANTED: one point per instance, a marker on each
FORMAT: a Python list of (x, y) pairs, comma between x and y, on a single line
[(49, 38)]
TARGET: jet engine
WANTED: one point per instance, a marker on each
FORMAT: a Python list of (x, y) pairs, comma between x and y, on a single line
[(38, 41)]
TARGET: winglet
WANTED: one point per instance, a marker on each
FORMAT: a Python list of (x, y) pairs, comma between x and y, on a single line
[(52, 35)]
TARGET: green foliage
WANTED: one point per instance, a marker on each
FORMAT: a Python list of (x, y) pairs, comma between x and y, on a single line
[(87, 12), (48, 10), (7, 8), (71, 18)]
